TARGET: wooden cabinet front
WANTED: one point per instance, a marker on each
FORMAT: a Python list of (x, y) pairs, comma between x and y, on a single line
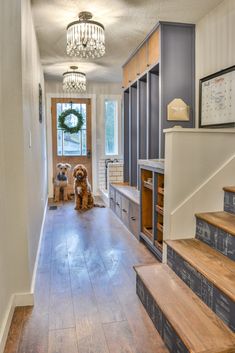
[(141, 59), (153, 48)]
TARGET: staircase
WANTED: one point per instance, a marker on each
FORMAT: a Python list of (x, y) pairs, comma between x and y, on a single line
[(191, 300)]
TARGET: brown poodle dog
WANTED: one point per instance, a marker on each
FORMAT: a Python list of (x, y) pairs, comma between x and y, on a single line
[(82, 188), (61, 181)]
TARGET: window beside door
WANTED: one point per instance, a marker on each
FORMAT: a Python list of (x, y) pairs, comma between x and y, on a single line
[(72, 144), (111, 126)]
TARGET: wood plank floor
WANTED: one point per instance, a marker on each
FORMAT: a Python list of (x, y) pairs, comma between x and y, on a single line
[(85, 300)]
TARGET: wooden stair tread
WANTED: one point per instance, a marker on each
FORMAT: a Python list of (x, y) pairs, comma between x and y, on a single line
[(229, 189), (217, 268), (198, 327), (223, 220)]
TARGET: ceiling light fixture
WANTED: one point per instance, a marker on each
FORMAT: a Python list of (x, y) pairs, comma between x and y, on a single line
[(74, 81), (85, 38)]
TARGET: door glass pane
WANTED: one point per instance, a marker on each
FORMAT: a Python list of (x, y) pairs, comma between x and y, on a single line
[(59, 142), (72, 144)]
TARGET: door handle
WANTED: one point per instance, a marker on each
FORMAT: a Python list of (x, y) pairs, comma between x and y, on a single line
[(89, 154)]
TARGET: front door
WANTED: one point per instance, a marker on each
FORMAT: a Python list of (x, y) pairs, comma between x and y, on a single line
[(72, 148)]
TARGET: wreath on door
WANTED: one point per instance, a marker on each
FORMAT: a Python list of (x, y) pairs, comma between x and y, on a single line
[(65, 126)]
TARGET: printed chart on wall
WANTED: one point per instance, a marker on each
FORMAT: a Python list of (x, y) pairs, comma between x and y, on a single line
[(217, 99)]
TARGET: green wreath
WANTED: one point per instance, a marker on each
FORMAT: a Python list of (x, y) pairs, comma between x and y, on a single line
[(65, 127)]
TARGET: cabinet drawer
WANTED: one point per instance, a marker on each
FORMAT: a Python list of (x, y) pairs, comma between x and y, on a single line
[(118, 205), (125, 211), (134, 219)]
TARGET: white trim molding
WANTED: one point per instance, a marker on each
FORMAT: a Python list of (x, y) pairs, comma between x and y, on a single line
[(17, 299), (39, 248)]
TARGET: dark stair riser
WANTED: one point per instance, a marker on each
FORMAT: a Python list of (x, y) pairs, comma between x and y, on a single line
[(166, 331), (213, 297), (216, 238), (229, 202)]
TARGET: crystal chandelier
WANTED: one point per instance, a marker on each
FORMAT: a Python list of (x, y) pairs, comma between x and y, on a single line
[(85, 38), (74, 81)]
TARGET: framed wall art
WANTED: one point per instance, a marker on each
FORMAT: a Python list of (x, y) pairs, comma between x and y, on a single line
[(217, 99)]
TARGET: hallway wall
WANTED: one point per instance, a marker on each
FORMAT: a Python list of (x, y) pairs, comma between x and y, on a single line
[(99, 91), (23, 187), (215, 45)]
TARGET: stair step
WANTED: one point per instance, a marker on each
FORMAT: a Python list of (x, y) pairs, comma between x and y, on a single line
[(208, 273), (222, 220), (181, 318), (229, 199), (217, 229), (217, 268), (229, 189)]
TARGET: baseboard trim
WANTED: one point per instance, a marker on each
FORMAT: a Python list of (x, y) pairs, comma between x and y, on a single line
[(38, 249), (17, 299)]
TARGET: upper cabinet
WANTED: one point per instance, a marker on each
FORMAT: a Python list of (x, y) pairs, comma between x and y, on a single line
[(144, 57), (153, 48)]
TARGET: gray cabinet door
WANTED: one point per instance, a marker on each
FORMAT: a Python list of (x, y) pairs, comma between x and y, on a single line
[(118, 205), (112, 199), (125, 211), (134, 219)]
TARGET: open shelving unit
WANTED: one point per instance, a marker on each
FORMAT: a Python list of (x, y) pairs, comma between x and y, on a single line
[(157, 72), (152, 208)]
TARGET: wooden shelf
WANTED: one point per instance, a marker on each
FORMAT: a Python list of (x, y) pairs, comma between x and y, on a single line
[(158, 245), (160, 227), (148, 231), (160, 190), (148, 185), (160, 209)]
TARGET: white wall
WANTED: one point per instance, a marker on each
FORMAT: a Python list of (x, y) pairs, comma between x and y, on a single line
[(20, 214), (215, 41), (97, 92)]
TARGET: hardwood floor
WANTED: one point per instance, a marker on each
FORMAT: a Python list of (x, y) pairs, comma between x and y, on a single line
[(85, 298)]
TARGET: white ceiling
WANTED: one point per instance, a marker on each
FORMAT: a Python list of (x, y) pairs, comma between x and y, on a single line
[(126, 22)]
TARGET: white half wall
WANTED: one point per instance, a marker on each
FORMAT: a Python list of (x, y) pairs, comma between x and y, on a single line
[(198, 164)]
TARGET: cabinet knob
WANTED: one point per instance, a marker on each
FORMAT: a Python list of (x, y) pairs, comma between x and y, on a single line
[(133, 218), (123, 210), (118, 204)]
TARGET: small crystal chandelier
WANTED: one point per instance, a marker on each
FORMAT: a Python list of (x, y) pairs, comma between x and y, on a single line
[(74, 81), (85, 38)]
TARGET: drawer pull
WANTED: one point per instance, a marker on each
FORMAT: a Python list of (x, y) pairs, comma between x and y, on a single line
[(133, 218), (123, 210)]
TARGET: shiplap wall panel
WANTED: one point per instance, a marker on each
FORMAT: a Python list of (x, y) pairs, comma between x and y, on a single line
[(215, 42)]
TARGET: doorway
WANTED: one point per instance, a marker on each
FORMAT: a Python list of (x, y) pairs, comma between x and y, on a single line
[(72, 148)]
